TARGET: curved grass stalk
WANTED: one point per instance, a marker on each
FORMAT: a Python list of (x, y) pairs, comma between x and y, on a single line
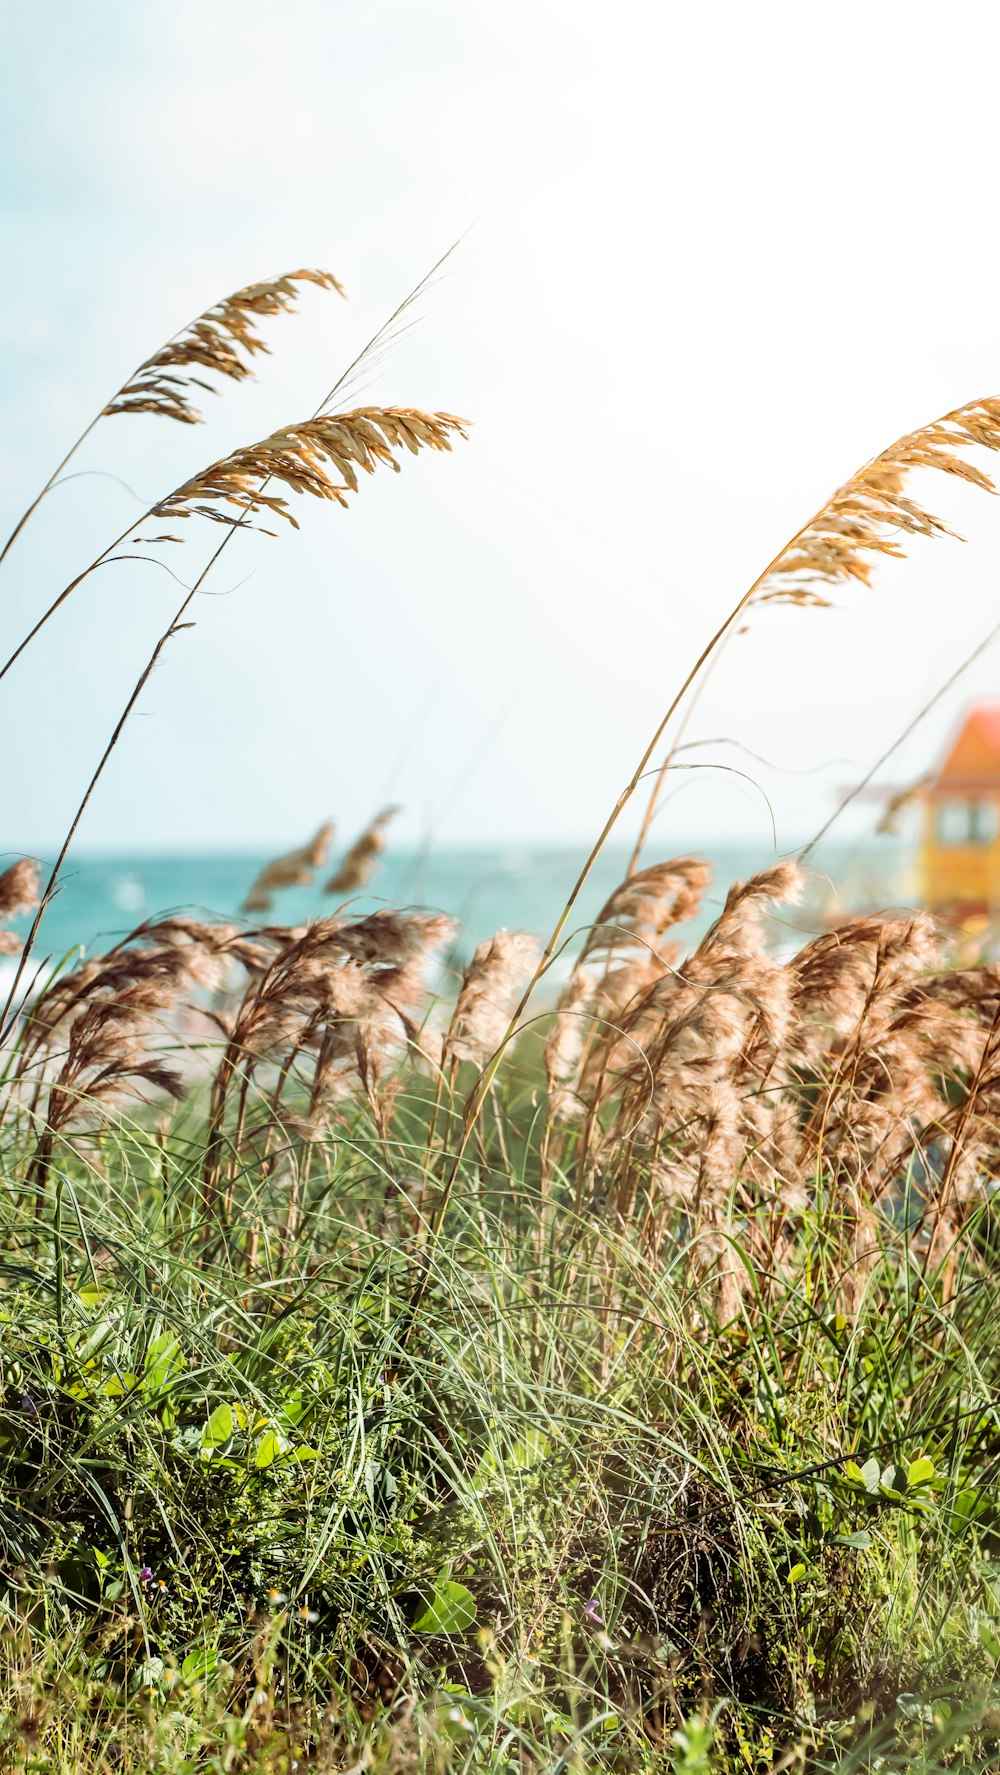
[(866, 516), (297, 458), (223, 339)]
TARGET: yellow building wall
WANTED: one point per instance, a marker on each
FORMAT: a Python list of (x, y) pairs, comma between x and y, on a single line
[(959, 874)]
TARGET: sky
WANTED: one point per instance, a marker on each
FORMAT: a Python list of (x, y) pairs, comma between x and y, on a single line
[(710, 260)]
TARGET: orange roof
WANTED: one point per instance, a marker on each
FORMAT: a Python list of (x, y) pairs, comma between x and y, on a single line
[(974, 758)]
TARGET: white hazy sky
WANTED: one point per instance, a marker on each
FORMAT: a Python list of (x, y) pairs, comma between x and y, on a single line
[(717, 256)]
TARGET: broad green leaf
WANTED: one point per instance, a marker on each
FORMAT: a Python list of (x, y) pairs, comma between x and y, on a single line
[(853, 1472), (529, 1451), (292, 1411), (119, 1385), (861, 1540), (966, 1508), (270, 1448), (920, 1471), (450, 1609), (163, 1360), (797, 1572), (218, 1431), (95, 1340), (198, 1665), (871, 1473)]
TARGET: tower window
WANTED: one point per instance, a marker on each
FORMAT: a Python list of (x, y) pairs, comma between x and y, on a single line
[(966, 822)]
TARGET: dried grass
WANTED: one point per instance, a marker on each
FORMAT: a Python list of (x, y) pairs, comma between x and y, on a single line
[(872, 513), (301, 457), (897, 804), (685, 1089), (857, 1068), (19, 892), (361, 861), (96, 1034), (340, 1001), (296, 868), (222, 342), (498, 969)]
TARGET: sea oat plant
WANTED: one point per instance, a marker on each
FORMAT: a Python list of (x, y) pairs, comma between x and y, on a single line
[(869, 515), (378, 1392), (320, 457)]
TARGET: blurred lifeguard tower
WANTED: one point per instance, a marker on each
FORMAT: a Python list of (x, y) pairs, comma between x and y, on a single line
[(960, 844)]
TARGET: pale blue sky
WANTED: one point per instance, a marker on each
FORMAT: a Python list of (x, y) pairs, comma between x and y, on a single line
[(717, 256)]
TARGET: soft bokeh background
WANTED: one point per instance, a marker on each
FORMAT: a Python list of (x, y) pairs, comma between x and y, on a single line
[(716, 256)]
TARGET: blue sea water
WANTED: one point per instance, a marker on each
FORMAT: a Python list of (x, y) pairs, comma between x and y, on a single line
[(103, 897)]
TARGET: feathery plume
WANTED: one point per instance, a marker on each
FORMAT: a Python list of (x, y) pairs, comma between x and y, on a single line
[(897, 804), (103, 1015), (566, 1044), (222, 341), (19, 892), (648, 904), (295, 869), (594, 1000), (350, 994), (740, 924), (849, 976), (298, 456), (358, 866), (871, 513), (19, 887), (150, 967), (499, 967), (695, 1064)]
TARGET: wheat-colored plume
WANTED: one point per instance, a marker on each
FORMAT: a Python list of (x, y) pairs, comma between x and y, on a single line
[(855, 1067), (19, 887), (301, 457), (295, 869), (95, 1032), (735, 1079), (222, 341), (359, 864), (499, 967), (19, 892), (346, 996), (642, 908), (898, 804), (872, 513), (623, 955)]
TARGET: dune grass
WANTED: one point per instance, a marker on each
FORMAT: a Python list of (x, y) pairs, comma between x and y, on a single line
[(400, 1371), (563, 1520)]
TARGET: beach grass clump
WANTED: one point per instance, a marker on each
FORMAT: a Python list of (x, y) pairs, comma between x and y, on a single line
[(394, 1380), (676, 1426)]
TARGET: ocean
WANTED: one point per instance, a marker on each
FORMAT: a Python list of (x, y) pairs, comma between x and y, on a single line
[(524, 888)]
